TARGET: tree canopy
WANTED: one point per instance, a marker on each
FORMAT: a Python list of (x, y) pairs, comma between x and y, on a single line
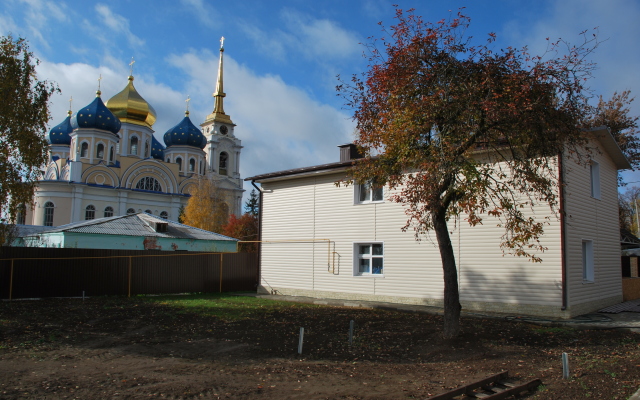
[(207, 207), (252, 206), (461, 129), (24, 113), (244, 228)]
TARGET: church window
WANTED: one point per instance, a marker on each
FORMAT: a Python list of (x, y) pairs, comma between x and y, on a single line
[(22, 212), (131, 211), (222, 167), (48, 214), (148, 211), (168, 159), (89, 212), (192, 165), (149, 183), (146, 149), (108, 212), (133, 146), (179, 162), (84, 149), (164, 215), (111, 154), (100, 151), (201, 172)]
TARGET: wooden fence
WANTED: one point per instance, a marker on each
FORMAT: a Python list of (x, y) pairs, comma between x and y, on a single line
[(28, 272)]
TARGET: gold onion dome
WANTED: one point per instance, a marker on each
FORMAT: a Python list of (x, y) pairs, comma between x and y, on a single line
[(130, 107)]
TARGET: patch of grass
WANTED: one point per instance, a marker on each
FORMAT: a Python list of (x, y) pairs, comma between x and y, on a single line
[(223, 305)]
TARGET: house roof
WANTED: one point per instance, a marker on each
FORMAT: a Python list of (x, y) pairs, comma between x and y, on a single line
[(139, 224), (601, 133)]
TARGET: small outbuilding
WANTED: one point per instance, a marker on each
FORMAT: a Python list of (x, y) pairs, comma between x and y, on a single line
[(139, 231)]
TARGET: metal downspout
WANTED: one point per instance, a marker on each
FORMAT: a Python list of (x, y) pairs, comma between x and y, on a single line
[(563, 254), (259, 189)]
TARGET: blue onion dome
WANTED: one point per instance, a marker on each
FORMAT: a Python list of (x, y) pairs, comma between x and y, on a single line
[(157, 149), (97, 116), (185, 134), (59, 134)]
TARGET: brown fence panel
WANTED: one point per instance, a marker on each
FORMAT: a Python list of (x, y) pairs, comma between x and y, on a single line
[(240, 272), (55, 272)]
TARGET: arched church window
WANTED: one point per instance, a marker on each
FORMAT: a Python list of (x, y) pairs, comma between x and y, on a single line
[(21, 216), (131, 211), (192, 165), (84, 149), (222, 167), (146, 149), (100, 151), (148, 211), (111, 154), (149, 183), (179, 162), (108, 212), (89, 212), (133, 146), (164, 215), (201, 171), (48, 214)]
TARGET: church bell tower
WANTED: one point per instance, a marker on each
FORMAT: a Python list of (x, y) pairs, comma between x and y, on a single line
[(223, 148)]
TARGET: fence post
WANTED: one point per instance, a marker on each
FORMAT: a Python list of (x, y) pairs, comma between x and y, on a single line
[(11, 282), (129, 291), (221, 272)]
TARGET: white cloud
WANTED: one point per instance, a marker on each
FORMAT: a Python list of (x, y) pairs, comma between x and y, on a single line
[(118, 24), (281, 126), (39, 15), (204, 12), (315, 39)]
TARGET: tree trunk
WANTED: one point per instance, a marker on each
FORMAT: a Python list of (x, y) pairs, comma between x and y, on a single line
[(451, 295)]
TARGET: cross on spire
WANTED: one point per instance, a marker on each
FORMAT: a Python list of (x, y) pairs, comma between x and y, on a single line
[(187, 101), (98, 93), (222, 42), (131, 66)]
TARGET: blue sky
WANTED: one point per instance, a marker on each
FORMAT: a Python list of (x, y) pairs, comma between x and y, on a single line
[(281, 57)]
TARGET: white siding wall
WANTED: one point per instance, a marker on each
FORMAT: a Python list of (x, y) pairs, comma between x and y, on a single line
[(597, 220), (314, 208)]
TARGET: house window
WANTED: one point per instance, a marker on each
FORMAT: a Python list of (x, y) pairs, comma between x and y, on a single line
[(22, 212), (179, 162), (100, 151), (149, 183), (222, 166), (131, 211), (368, 259), (587, 261), (89, 212), (108, 212), (595, 180), (133, 146), (84, 149), (164, 215), (366, 193), (48, 214), (192, 165)]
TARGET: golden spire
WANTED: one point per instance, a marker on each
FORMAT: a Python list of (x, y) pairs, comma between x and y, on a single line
[(219, 95)]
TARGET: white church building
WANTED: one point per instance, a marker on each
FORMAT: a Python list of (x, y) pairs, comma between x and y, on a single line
[(105, 161)]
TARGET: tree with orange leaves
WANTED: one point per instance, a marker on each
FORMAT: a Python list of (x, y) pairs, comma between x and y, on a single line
[(207, 207), (244, 228), (459, 129)]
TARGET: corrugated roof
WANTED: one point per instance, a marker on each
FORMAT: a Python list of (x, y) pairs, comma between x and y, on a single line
[(139, 224)]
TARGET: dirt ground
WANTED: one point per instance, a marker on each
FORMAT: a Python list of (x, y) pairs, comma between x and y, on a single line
[(119, 348)]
